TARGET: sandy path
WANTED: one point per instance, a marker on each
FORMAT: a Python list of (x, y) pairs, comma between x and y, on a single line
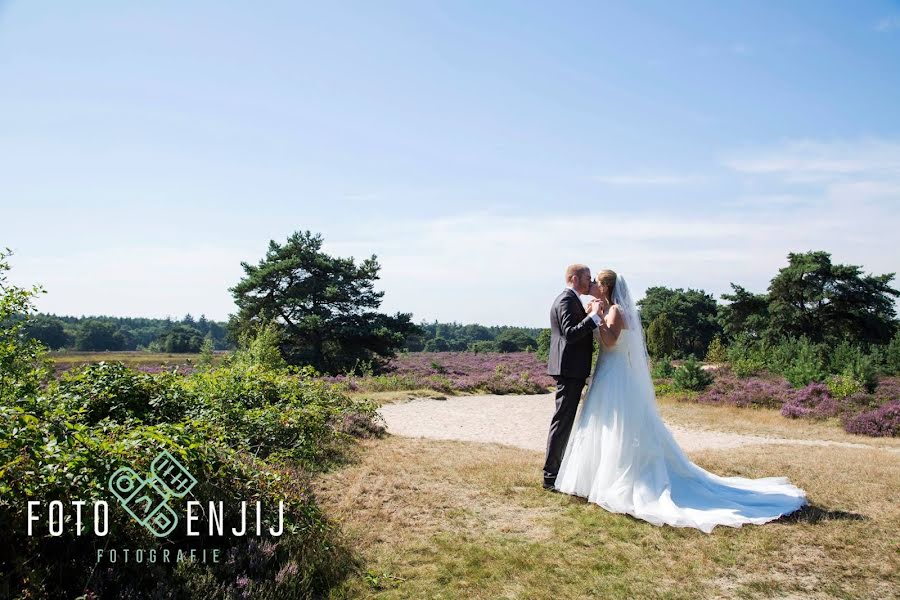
[(522, 421)]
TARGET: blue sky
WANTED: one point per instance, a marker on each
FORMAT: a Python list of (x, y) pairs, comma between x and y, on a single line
[(476, 147)]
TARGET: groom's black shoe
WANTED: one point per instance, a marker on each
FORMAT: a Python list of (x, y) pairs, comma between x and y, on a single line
[(550, 487)]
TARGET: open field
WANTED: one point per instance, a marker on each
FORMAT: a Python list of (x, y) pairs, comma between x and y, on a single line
[(62, 361), (449, 519)]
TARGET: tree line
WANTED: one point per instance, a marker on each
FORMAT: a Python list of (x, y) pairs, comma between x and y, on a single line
[(811, 298), (322, 311), (104, 333)]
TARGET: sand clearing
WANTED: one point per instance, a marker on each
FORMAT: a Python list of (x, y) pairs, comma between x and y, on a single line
[(522, 421)]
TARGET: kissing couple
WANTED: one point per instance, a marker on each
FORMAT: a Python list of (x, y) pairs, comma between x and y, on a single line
[(618, 453)]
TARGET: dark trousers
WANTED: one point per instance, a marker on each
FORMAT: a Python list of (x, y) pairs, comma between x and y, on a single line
[(568, 394)]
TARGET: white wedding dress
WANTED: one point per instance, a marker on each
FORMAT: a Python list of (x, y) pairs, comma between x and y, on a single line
[(622, 456)]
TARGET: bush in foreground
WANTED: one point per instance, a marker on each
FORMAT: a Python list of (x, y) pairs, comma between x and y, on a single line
[(245, 432)]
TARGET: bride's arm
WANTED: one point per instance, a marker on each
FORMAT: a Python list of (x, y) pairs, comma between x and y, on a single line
[(610, 327)]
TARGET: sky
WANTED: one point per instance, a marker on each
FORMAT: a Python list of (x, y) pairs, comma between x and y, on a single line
[(477, 148)]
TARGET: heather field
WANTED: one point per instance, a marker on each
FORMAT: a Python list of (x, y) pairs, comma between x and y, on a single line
[(443, 372), (858, 411), (457, 372), (839, 402)]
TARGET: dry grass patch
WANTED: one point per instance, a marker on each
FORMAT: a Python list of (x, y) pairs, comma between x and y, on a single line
[(759, 421), (444, 519)]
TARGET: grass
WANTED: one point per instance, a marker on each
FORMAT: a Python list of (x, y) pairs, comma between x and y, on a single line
[(132, 358), (443, 519), (759, 421)]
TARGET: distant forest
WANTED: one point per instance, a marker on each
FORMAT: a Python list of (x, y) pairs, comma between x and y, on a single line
[(98, 334), (810, 299)]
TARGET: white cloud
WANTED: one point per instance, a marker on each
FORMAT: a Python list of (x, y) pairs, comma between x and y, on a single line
[(808, 160), (505, 267), (888, 24)]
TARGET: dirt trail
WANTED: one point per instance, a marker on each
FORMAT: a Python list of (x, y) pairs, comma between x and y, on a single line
[(522, 421)]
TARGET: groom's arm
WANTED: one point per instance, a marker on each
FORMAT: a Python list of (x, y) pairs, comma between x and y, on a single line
[(571, 327)]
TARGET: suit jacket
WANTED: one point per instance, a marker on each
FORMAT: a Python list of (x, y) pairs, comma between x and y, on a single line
[(571, 337)]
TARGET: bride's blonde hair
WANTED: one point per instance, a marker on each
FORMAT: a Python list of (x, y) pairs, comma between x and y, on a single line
[(608, 278)]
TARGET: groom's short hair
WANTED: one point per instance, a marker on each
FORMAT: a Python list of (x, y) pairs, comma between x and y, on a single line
[(576, 270)]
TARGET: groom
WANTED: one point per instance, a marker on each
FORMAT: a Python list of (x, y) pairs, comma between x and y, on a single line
[(571, 348)]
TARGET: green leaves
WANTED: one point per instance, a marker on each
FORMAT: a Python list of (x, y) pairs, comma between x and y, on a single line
[(324, 307), (826, 302)]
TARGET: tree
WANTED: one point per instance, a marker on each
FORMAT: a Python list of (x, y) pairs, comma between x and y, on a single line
[(745, 313), (511, 340), (95, 335), (22, 365), (182, 338), (543, 344), (692, 314), (47, 330), (826, 302), (476, 333), (437, 344), (660, 337), (325, 306)]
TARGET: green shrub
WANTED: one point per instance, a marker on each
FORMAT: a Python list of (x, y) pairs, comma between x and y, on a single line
[(890, 358), (716, 351), (543, 344), (843, 386), (746, 355), (663, 389), (112, 390), (244, 431), (662, 368), (862, 368), (747, 366), (806, 366), (691, 377), (661, 337)]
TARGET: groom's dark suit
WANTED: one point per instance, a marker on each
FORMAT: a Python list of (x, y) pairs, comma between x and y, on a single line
[(571, 348)]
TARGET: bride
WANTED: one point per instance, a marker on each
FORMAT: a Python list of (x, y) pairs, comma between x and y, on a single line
[(622, 456)]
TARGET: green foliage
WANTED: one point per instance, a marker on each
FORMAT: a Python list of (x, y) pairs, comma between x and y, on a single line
[(716, 352), (455, 337), (438, 344), (181, 338), (48, 330), (326, 307), (207, 356), (543, 344), (887, 358), (660, 337), (746, 355), (745, 313), (515, 341), (264, 348), (814, 298), (692, 314), (691, 377), (862, 368), (806, 366), (245, 431), (663, 389), (483, 346), (96, 335), (662, 368), (22, 365), (843, 386)]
